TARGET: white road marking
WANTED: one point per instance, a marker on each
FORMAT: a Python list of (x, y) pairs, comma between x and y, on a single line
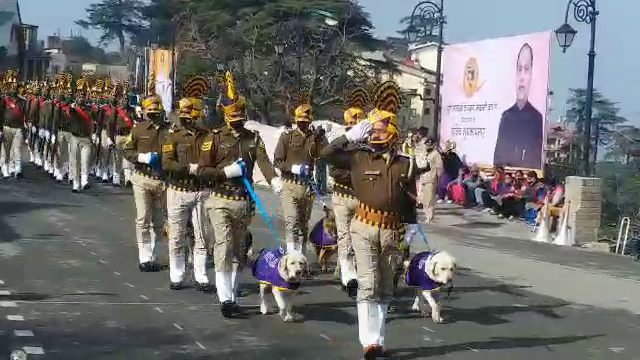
[(144, 297), (616, 350), (93, 253), (33, 350), (15, 317), (200, 345), (1, 282), (158, 310), (325, 337), (472, 349), (178, 326), (102, 261), (5, 292), (116, 273), (23, 333), (83, 244), (122, 219), (8, 304), (426, 328), (130, 285), (66, 230)]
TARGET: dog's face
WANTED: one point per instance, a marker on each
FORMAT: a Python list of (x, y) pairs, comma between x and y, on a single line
[(292, 266), (330, 222), (441, 267)]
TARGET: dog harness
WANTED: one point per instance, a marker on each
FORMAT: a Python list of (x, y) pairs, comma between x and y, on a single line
[(416, 274), (321, 238), (265, 269)]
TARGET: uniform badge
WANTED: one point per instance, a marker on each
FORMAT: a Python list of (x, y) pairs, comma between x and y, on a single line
[(372, 172), (206, 146), (167, 148)]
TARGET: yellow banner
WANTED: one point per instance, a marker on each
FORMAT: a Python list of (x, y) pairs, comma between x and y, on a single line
[(160, 61)]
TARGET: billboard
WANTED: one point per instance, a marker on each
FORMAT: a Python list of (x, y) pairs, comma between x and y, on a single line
[(494, 100), (161, 64)]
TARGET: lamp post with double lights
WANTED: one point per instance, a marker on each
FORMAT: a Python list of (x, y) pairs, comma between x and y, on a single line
[(584, 11), (425, 18)]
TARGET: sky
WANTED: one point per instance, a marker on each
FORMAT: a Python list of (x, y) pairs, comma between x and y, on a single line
[(471, 20)]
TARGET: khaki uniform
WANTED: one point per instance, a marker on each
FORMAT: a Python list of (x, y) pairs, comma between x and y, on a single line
[(13, 122), (429, 180), (62, 123), (344, 207), (185, 198), (148, 187), (80, 154), (229, 206), (297, 148), (118, 127), (105, 148), (32, 120), (44, 124)]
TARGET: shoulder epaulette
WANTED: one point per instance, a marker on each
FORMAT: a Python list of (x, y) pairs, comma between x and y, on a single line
[(215, 131)]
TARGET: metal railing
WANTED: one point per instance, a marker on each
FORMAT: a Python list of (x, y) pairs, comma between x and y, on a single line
[(623, 228)]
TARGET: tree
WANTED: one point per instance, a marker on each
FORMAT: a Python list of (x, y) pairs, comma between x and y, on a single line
[(604, 120), (116, 19), (420, 23), (157, 16), (242, 35), (624, 140)]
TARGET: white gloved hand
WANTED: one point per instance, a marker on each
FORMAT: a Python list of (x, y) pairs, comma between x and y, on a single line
[(109, 142), (94, 138), (53, 139), (360, 132), (47, 135), (144, 158), (233, 171), (41, 133), (33, 129), (300, 169), (193, 168), (73, 105), (276, 185)]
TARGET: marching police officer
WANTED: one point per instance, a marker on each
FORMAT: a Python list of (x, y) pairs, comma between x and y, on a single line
[(142, 148)]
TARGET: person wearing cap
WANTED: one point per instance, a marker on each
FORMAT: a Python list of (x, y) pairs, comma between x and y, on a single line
[(143, 148), (344, 200), (44, 124), (62, 123), (227, 158), (82, 131), (185, 196), (382, 180), (15, 106), (119, 126), (428, 156), (295, 156), (31, 115)]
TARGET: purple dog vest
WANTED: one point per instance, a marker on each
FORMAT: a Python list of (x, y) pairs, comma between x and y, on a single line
[(321, 238), (265, 269), (416, 274)]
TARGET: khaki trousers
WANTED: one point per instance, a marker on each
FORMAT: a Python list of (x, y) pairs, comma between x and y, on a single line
[(149, 197), (106, 159), (80, 160), (429, 198), (344, 209), (63, 141), (181, 204), (377, 255), (297, 203), (118, 159), (12, 145), (229, 221)]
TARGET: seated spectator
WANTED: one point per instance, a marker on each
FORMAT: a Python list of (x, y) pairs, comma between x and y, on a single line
[(483, 195), (451, 163), (508, 202), (456, 189), (473, 181), (518, 178), (534, 196)]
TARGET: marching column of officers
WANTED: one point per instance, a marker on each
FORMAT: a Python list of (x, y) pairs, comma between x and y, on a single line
[(198, 177)]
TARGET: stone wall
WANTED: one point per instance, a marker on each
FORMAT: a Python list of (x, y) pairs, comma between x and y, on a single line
[(584, 197)]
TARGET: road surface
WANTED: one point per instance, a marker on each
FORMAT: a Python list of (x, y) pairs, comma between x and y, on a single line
[(71, 289)]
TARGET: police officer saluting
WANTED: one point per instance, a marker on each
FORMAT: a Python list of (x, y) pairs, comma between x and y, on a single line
[(227, 154), (143, 148), (344, 201), (295, 156), (381, 178), (180, 155)]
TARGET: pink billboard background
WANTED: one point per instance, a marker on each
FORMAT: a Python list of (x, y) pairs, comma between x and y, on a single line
[(479, 94)]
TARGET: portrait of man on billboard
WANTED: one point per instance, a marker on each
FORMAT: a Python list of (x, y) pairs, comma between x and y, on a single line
[(520, 135)]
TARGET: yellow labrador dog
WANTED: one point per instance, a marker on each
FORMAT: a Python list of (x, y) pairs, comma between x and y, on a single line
[(430, 272), (280, 271)]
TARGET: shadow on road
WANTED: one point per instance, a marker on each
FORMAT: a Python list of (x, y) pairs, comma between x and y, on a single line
[(40, 297), (493, 344), (12, 208)]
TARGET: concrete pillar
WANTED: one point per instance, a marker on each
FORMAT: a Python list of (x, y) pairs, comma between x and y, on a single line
[(585, 198)]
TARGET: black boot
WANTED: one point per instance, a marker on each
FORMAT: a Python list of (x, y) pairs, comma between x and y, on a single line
[(176, 285), (205, 287), (352, 288)]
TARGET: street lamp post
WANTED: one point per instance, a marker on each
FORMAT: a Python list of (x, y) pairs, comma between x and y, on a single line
[(424, 18), (583, 11)]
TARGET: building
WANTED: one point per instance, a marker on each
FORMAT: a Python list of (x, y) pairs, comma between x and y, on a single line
[(559, 146), (11, 44), (36, 60), (416, 82)]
